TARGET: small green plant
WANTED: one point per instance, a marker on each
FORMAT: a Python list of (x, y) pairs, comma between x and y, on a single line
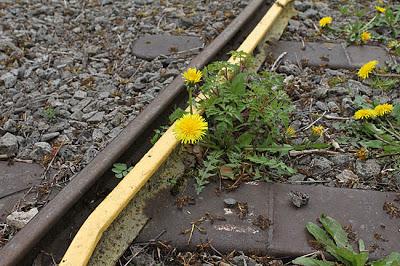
[(49, 113), (344, 10), (121, 170), (379, 126), (247, 114), (383, 83), (389, 21), (209, 169), (334, 240)]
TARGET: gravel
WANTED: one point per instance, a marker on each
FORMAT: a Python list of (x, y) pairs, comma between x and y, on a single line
[(303, 26), (69, 81), (321, 92)]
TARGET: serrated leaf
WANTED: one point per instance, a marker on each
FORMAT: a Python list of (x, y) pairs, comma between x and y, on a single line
[(238, 85), (312, 262)]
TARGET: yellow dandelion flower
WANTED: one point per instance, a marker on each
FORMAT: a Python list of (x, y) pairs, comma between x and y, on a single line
[(317, 130), (365, 36), (365, 114), (323, 22), (383, 109), (190, 128), (192, 75), (380, 9), (291, 132), (367, 69)]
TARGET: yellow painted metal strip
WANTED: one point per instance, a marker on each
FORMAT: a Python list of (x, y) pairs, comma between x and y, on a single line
[(85, 241)]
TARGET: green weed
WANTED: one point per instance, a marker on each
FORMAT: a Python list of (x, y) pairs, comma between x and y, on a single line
[(334, 239)]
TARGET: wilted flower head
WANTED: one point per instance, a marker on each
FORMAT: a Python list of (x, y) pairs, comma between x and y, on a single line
[(290, 132), (362, 153), (192, 75), (323, 22), (317, 130), (383, 109), (190, 128), (367, 69), (365, 114)]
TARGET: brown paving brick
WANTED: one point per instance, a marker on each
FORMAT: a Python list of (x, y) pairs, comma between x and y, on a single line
[(332, 55), (151, 46), (287, 235), (14, 179)]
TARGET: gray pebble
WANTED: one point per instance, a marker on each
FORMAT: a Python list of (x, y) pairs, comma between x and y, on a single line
[(9, 80), (50, 136), (8, 144), (97, 135), (333, 107), (368, 169), (229, 202), (77, 115), (321, 165), (297, 178), (97, 117), (80, 95), (321, 106), (320, 93), (10, 126), (40, 149)]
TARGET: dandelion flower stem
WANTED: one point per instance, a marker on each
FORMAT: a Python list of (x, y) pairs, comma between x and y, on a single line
[(381, 139), (391, 132), (190, 92)]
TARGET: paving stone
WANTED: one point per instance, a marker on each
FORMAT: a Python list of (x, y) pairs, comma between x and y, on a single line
[(332, 55), (151, 46), (287, 235), (14, 179)]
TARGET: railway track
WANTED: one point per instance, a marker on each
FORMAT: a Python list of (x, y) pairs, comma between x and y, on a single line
[(58, 221), (102, 217)]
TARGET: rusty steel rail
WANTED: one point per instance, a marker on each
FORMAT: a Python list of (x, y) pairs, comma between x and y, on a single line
[(23, 246), (89, 235)]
